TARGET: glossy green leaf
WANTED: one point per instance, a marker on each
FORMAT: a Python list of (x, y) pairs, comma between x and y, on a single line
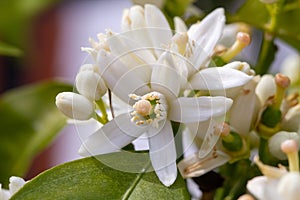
[(89, 179), (29, 121)]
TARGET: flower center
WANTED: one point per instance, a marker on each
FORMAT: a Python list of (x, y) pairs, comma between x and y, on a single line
[(149, 109)]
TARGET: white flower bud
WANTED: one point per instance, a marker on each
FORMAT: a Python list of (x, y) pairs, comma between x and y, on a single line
[(15, 184), (89, 82), (291, 121), (74, 105), (276, 141), (291, 68)]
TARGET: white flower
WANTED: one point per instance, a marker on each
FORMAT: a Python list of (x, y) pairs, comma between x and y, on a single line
[(150, 69), (153, 109), (16, 183), (89, 82), (74, 105)]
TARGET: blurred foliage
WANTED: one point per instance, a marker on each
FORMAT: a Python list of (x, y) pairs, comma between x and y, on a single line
[(16, 18), (9, 50), (29, 122)]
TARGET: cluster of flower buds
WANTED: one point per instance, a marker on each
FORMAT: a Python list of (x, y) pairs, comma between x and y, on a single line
[(90, 87)]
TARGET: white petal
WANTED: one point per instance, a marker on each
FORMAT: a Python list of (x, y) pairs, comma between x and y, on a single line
[(211, 137), (257, 185), (218, 78), (165, 80), (291, 121), (238, 120), (265, 88), (209, 30), (129, 50), (112, 136), (123, 81), (206, 35), (289, 186), (163, 154), (193, 166), (196, 109), (178, 63), (179, 25), (158, 27)]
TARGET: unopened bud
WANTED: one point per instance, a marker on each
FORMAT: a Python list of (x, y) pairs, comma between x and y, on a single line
[(276, 140), (89, 82), (74, 105)]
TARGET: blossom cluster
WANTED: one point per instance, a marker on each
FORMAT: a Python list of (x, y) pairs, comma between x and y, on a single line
[(162, 78)]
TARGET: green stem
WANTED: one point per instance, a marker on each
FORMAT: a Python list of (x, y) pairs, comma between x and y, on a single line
[(101, 106), (265, 57)]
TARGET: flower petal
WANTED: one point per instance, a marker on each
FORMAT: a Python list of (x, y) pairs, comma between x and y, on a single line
[(196, 109), (121, 80), (163, 154), (218, 78), (291, 121), (158, 26), (112, 136), (265, 88), (193, 166), (257, 185), (206, 34), (242, 123), (179, 24), (132, 53), (162, 79)]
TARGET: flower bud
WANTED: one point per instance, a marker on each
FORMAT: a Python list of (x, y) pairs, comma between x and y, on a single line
[(15, 183), (291, 68), (276, 141), (74, 105), (291, 121), (89, 82)]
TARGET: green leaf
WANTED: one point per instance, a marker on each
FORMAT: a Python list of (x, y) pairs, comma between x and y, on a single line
[(9, 50), (29, 121), (89, 179)]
